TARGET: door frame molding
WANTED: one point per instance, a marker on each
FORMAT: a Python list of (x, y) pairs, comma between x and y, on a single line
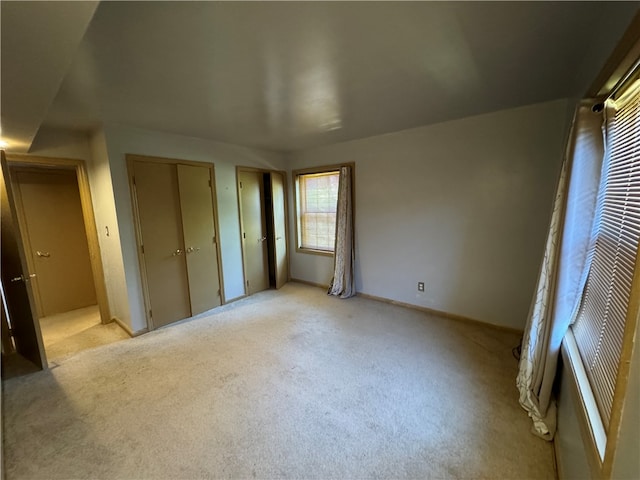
[(240, 168), (22, 160), (131, 158)]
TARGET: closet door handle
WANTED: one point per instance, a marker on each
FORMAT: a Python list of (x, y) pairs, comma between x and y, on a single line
[(193, 249), (43, 254), (22, 278), (262, 239), (177, 252)]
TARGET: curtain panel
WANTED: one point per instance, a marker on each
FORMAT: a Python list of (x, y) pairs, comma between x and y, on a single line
[(343, 283), (564, 267)]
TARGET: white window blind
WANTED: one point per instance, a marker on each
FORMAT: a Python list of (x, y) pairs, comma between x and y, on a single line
[(600, 323), (317, 203)]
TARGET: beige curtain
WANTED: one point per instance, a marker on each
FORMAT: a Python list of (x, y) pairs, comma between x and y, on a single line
[(343, 283), (563, 270)]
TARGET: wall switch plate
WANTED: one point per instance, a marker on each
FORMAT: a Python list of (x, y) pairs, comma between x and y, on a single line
[(421, 286)]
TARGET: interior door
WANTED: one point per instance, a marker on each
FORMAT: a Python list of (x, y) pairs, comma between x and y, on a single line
[(196, 206), (55, 231), (16, 279), (163, 252), (254, 231), (279, 229)]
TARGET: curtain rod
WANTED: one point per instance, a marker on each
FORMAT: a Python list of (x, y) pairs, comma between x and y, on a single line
[(625, 80)]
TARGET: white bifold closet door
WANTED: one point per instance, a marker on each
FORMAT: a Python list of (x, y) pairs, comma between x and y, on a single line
[(279, 229), (254, 235), (178, 239), (196, 205)]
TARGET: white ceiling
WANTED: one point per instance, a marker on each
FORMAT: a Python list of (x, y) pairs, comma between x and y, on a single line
[(38, 43), (287, 76)]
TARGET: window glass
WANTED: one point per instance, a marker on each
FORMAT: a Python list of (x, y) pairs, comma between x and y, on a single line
[(317, 202)]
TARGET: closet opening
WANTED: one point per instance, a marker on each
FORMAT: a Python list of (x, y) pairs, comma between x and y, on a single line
[(262, 202), (268, 203)]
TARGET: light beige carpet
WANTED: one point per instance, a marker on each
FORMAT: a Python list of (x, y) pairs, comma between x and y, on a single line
[(71, 332), (286, 384)]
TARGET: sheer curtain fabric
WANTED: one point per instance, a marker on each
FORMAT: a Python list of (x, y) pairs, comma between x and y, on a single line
[(343, 283), (564, 267)]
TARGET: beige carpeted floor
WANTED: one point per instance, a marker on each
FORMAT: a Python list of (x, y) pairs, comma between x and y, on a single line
[(71, 332), (286, 384), (66, 334)]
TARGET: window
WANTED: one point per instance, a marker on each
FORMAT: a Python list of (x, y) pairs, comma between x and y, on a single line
[(600, 324), (316, 202)]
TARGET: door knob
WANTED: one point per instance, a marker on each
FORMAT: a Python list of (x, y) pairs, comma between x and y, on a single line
[(177, 252), (43, 254), (262, 239), (193, 249)]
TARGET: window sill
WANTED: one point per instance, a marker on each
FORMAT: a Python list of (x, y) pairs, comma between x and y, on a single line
[(311, 251), (593, 432)]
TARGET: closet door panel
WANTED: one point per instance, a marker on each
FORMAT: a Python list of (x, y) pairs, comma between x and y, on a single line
[(254, 234), (54, 225), (156, 186), (279, 229), (196, 205)]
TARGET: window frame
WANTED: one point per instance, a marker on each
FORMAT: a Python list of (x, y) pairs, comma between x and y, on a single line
[(295, 174), (600, 445)]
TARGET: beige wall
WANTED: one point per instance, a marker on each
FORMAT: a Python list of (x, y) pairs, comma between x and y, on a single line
[(462, 206), (121, 140), (58, 143), (104, 151), (107, 226)]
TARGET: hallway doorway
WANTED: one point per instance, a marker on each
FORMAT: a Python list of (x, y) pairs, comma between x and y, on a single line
[(62, 263), (54, 235)]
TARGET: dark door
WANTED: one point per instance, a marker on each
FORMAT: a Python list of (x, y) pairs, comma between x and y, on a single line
[(16, 279)]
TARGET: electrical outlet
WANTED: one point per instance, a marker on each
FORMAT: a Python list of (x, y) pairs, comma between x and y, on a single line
[(421, 286)]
